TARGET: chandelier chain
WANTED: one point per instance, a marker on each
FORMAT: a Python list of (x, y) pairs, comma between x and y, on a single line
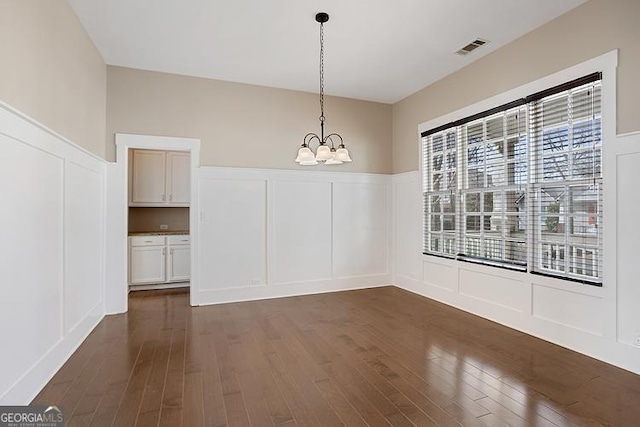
[(321, 72)]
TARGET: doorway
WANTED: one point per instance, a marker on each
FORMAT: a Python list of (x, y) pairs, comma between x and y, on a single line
[(158, 219), (154, 153)]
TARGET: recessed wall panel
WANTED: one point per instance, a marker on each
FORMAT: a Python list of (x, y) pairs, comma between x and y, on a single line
[(360, 224), (440, 275), (570, 309), (408, 229), (232, 233), (627, 210), (300, 231), (494, 289), (84, 253), (31, 261)]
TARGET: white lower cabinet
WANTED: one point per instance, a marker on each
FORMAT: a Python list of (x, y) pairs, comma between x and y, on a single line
[(147, 264), (179, 262), (159, 259)]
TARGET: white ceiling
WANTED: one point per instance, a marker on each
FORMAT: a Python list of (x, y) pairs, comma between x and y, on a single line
[(377, 50)]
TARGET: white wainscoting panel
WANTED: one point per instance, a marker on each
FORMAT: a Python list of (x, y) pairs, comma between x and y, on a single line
[(233, 233), (84, 241), (273, 233), (408, 226), (440, 275), (628, 261), (492, 288), (568, 309), (300, 231), (116, 245), (32, 262), (51, 292), (360, 229)]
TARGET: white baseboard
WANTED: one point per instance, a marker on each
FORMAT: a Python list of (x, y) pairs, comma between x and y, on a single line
[(222, 296), (34, 380), (133, 288)]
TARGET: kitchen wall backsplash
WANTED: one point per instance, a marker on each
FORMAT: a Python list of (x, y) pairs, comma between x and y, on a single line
[(150, 219)]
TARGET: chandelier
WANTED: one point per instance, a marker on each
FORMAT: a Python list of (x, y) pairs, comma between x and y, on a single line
[(326, 152)]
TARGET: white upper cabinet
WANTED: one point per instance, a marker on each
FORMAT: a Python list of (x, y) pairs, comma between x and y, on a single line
[(178, 182), (148, 177), (159, 178)]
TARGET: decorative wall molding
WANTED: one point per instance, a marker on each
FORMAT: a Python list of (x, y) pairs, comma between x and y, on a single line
[(269, 233), (53, 266)]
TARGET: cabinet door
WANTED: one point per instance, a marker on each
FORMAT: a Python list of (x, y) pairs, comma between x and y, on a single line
[(179, 263), (148, 180), (147, 264), (178, 177)]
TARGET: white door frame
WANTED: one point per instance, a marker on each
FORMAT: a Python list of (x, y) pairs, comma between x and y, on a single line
[(124, 142)]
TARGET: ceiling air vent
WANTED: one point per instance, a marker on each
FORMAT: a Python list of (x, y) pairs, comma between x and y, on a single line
[(471, 46)]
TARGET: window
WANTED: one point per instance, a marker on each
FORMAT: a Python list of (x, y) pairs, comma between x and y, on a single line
[(567, 184), (520, 186)]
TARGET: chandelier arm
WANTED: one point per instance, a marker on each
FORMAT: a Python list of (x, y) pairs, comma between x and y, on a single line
[(311, 136), (335, 134), (329, 139)]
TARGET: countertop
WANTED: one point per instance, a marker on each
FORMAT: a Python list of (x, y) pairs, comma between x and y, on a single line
[(159, 233)]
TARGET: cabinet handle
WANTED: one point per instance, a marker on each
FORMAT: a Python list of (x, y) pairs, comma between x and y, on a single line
[(171, 251), (170, 197), (163, 197), (164, 251)]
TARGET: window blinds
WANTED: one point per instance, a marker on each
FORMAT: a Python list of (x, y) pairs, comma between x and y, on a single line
[(519, 186), (567, 183)]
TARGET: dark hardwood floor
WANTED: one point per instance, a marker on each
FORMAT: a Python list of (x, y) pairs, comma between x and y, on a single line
[(370, 357)]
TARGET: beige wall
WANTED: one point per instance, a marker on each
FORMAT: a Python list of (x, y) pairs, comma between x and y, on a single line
[(594, 28), (51, 71), (243, 125)]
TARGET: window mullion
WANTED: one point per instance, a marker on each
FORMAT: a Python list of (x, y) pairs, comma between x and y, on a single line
[(484, 182), (567, 218), (568, 256), (461, 163), (426, 185), (532, 207), (503, 193)]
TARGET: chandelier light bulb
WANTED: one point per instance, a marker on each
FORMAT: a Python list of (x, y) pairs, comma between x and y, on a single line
[(342, 154), (324, 153), (304, 153), (333, 160)]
